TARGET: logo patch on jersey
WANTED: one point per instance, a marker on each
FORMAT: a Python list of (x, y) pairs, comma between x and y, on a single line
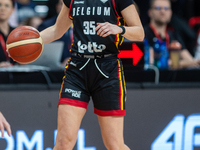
[(104, 1), (74, 93), (78, 2)]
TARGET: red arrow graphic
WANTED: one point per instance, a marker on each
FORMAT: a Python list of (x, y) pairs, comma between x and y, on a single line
[(135, 53)]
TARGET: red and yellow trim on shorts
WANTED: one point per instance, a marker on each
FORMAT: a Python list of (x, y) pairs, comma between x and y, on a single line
[(122, 86), (68, 101), (122, 97), (63, 80), (109, 112)]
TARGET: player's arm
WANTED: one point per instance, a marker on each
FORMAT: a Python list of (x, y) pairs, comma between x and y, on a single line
[(4, 124), (187, 60), (134, 28), (56, 31), (133, 31)]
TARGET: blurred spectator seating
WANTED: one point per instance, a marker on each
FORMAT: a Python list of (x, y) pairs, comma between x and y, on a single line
[(33, 21), (25, 9), (66, 38)]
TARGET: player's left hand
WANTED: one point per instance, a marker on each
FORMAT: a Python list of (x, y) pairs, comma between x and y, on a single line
[(4, 124), (105, 29)]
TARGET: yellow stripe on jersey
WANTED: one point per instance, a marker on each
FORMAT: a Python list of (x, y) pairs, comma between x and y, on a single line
[(121, 86), (124, 84), (66, 67), (61, 87), (117, 40), (122, 41)]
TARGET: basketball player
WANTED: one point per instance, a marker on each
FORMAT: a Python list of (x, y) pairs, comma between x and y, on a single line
[(94, 69), (4, 124)]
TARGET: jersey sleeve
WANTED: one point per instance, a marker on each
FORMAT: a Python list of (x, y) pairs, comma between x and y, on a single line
[(122, 4), (67, 2)]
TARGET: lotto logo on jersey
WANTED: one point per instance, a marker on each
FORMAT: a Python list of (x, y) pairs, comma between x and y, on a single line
[(91, 47)]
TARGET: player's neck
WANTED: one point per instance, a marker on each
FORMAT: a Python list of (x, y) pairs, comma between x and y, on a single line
[(160, 28)]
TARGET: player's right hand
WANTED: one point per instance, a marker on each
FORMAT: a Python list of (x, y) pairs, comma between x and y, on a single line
[(106, 29)]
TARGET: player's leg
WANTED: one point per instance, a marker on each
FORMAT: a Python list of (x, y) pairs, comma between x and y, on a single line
[(112, 132), (72, 105), (69, 120), (109, 102)]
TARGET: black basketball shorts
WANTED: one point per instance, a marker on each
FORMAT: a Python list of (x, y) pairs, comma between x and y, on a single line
[(101, 79)]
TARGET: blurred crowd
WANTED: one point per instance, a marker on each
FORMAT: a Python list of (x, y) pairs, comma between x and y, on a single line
[(175, 22), (14, 13)]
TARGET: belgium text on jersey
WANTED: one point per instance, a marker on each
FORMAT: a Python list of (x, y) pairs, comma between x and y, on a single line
[(105, 11)]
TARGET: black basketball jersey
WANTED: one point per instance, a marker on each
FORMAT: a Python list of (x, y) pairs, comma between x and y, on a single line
[(85, 15)]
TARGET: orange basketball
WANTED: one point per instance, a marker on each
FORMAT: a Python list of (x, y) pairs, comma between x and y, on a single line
[(24, 44)]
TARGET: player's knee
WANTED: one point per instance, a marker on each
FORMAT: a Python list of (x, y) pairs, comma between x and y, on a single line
[(66, 143)]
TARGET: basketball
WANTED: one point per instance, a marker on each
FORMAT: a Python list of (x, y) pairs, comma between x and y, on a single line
[(24, 44)]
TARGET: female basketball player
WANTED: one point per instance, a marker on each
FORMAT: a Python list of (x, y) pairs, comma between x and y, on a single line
[(94, 69)]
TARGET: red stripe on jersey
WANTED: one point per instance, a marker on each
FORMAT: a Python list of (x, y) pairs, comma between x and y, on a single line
[(109, 112), (113, 1), (70, 7), (73, 102)]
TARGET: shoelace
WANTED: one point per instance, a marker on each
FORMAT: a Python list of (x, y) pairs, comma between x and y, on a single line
[(95, 62)]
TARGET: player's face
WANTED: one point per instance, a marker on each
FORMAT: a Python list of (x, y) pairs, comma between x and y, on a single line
[(6, 9), (161, 11)]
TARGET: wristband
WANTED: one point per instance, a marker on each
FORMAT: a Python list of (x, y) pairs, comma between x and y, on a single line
[(123, 30)]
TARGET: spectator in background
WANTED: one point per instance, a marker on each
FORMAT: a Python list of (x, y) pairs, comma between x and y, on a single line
[(160, 14), (6, 9), (13, 19), (25, 9), (34, 21), (66, 38), (4, 124), (182, 12)]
